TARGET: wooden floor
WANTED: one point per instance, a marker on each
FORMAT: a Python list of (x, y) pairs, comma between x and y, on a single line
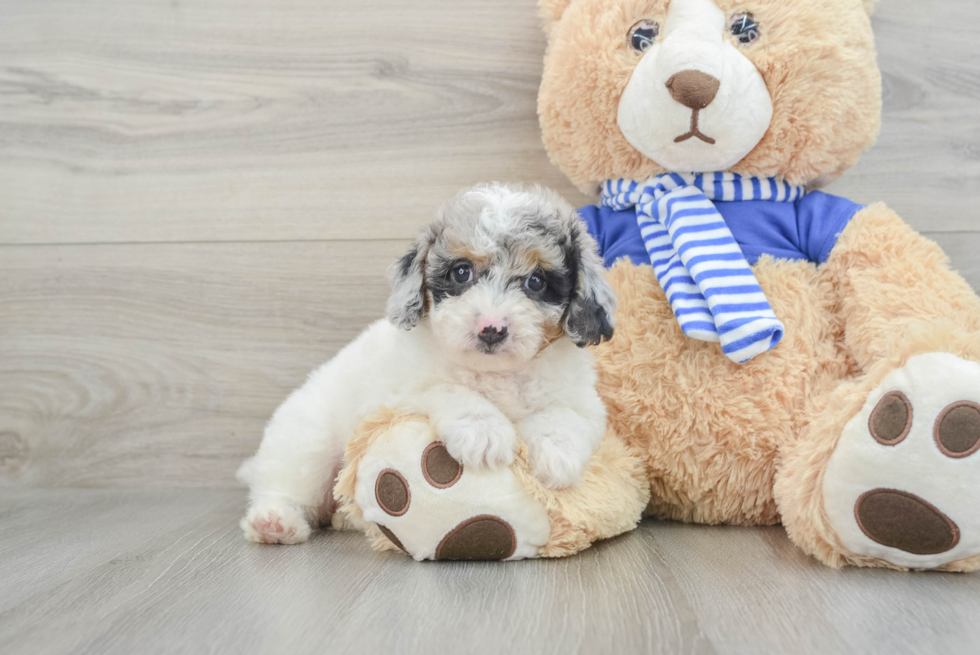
[(198, 199), (153, 571)]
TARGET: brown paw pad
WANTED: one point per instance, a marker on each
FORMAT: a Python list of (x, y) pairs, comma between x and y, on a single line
[(391, 537), (439, 467), (392, 492), (957, 430), (904, 521), (482, 537), (891, 419)]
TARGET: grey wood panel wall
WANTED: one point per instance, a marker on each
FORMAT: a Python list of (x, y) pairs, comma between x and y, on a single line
[(198, 199)]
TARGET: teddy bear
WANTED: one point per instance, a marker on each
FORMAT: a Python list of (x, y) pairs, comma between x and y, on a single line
[(781, 355)]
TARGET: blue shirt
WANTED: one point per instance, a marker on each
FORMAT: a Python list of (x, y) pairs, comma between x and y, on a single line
[(806, 229)]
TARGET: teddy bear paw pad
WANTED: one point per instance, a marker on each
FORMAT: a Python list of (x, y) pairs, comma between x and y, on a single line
[(433, 507), (901, 484), (392, 492), (481, 537), (439, 467), (905, 521)]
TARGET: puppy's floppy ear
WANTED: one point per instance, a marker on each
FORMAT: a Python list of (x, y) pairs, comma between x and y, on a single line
[(589, 317), (406, 304)]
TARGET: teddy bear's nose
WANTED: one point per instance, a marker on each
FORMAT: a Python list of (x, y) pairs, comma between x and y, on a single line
[(693, 89)]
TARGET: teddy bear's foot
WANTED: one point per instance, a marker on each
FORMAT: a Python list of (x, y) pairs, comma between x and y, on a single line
[(432, 506), (903, 483)]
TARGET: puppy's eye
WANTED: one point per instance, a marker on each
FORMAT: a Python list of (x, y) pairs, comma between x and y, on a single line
[(744, 28), (462, 273), (535, 283), (642, 35)]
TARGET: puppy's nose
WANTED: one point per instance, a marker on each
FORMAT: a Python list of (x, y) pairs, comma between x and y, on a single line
[(491, 336), (693, 89)]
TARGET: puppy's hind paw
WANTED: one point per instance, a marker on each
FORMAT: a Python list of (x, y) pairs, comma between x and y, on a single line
[(480, 440), (275, 524)]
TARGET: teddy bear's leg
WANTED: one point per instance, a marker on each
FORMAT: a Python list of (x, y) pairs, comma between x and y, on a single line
[(886, 472), (403, 487)]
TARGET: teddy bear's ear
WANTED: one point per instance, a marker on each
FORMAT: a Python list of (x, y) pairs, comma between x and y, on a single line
[(551, 11), (869, 6)]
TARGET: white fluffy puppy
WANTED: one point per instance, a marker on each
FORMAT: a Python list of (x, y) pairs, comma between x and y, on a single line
[(474, 339)]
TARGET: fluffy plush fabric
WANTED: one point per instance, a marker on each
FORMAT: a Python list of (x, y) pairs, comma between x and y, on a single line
[(609, 501), (816, 57), (348, 513), (720, 437), (791, 435), (898, 298), (711, 428), (749, 444)]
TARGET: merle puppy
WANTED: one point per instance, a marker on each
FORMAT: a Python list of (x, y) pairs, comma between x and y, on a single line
[(486, 324)]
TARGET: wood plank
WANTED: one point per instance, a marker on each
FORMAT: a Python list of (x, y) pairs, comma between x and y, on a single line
[(176, 576), (50, 538), (925, 164), (220, 120), (159, 364), (754, 592)]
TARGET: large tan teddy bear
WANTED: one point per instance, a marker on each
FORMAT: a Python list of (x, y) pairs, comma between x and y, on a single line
[(780, 354)]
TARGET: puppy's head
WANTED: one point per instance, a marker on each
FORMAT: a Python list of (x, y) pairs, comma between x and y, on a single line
[(502, 273)]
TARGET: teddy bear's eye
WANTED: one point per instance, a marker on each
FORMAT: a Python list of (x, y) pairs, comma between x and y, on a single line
[(642, 34), (744, 28)]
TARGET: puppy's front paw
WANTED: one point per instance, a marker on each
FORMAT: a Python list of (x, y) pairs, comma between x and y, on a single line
[(479, 440), (555, 463), (275, 524)]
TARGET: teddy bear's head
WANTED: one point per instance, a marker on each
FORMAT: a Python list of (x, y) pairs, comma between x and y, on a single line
[(769, 88)]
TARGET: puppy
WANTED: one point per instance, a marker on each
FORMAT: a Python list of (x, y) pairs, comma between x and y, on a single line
[(485, 329)]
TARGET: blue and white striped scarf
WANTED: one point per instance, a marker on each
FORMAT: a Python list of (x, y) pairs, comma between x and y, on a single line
[(713, 292)]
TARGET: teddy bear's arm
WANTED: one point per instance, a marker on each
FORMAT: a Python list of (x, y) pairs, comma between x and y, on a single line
[(891, 281)]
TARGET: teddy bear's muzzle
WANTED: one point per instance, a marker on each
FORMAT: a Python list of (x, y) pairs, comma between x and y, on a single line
[(694, 101), (695, 90)]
